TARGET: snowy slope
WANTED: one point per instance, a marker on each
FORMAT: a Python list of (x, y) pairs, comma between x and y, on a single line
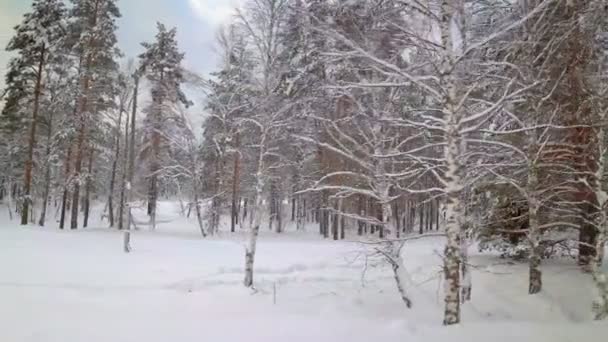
[(72, 286)]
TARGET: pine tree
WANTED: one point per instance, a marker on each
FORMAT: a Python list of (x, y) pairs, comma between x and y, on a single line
[(36, 40), (93, 40), (161, 63)]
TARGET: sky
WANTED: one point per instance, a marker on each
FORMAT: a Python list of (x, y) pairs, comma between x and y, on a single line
[(197, 22)]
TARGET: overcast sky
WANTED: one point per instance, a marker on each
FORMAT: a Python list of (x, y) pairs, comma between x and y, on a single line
[(196, 20)]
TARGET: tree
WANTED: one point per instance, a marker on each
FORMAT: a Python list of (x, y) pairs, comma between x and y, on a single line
[(262, 22), (161, 63), (93, 40), (36, 39)]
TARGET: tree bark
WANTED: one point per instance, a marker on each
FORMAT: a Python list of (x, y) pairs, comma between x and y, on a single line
[(155, 163), (257, 217), (235, 185), (64, 198), (123, 177), (131, 168), (421, 217), (29, 163), (47, 171), (115, 166), (361, 213), (334, 221), (87, 195), (397, 219), (452, 117), (399, 273), (534, 235)]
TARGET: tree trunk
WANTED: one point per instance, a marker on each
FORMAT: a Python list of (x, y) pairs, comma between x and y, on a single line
[(397, 219), (600, 279), (534, 235), (587, 236), (47, 171), (334, 221), (123, 179), (437, 215), (155, 162), (235, 185), (64, 198), (429, 216), (361, 212), (131, 167), (246, 201), (453, 151), (77, 174), (421, 217), (114, 167), (199, 214), (87, 195), (29, 163), (342, 219), (257, 214), (325, 215), (293, 208), (399, 273), (301, 212)]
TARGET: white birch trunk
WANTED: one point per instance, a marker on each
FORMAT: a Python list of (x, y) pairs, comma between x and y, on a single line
[(453, 177), (257, 217)]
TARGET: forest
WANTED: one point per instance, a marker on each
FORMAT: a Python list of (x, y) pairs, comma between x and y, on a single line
[(481, 124)]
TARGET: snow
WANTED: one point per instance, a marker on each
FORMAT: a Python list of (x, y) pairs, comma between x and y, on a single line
[(77, 286)]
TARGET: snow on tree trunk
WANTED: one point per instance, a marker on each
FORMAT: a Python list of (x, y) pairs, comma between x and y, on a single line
[(399, 274)]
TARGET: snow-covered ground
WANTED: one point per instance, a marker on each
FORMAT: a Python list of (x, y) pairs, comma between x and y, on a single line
[(75, 286)]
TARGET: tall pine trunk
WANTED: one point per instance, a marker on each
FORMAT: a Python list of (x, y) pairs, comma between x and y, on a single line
[(115, 166), (66, 186), (154, 167), (123, 178), (87, 191), (29, 163), (131, 166), (47, 171)]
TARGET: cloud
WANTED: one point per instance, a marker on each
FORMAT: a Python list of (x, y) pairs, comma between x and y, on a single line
[(214, 12)]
